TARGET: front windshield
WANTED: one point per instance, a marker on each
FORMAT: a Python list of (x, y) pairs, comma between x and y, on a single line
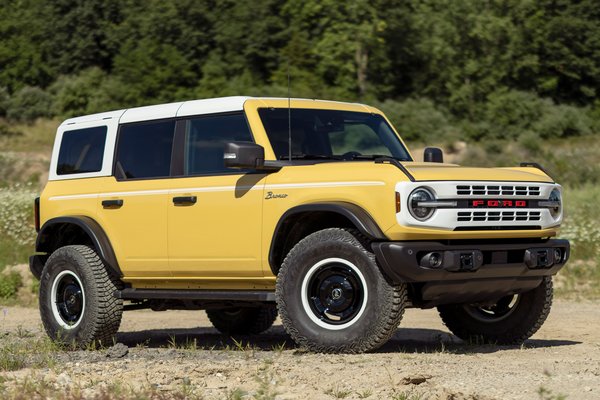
[(329, 134)]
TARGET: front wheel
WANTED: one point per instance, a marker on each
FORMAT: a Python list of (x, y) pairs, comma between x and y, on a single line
[(332, 297), (509, 320)]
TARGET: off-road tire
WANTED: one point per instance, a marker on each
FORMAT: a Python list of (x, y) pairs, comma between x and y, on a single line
[(242, 320), (528, 316), (101, 315), (370, 327)]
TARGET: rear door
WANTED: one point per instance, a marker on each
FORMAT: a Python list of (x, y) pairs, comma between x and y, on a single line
[(133, 202)]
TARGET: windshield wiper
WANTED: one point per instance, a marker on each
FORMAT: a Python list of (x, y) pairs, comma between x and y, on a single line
[(373, 157), (397, 164), (309, 157)]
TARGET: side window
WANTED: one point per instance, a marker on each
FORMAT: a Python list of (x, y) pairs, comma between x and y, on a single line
[(144, 150), (205, 138), (81, 151)]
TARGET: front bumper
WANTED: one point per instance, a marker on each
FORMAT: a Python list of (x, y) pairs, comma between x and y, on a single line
[(471, 271)]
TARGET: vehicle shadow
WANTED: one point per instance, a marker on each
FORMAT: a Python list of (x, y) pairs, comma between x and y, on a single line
[(405, 340)]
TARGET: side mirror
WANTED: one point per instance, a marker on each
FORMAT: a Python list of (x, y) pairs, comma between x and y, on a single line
[(244, 155), (433, 154)]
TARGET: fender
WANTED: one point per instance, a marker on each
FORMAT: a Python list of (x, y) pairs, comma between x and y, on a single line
[(361, 220), (91, 228)]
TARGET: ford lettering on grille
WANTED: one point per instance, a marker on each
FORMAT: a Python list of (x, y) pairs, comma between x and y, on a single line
[(491, 203)]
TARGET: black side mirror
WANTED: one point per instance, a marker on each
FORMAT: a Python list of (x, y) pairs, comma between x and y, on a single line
[(244, 155), (433, 154)]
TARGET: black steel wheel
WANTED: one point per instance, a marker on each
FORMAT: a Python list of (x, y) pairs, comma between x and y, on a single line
[(508, 320), (332, 297), (335, 291)]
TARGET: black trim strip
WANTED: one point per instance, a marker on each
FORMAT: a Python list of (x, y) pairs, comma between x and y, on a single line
[(187, 294)]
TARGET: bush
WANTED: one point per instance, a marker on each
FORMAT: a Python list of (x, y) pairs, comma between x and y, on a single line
[(418, 120), (29, 103), (10, 284), (512, 114), (77, 95), (563, 121)]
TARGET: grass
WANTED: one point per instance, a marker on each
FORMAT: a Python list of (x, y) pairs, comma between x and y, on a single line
[(39, 388), (22, 350), (35, 137)]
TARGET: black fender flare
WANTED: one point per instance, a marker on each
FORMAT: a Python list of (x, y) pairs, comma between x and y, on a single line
[(91, 228), (360, 218)]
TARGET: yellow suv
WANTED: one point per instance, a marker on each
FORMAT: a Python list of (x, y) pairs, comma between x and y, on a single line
[(313, 210)]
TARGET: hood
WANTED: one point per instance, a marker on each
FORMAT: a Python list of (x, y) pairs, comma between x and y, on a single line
[(422, 171)]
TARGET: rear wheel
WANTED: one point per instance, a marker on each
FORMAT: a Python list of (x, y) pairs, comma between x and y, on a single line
[(77, 305), (332, 297), (242, 320), (509, 320)]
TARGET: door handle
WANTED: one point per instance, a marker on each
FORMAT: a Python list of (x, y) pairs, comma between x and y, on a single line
[(184, 200), (112, 203)]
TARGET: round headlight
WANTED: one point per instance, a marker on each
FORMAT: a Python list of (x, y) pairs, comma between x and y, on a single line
[(555, 197), (417, 196)]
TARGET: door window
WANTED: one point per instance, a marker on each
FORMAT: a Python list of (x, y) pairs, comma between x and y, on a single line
[(144, 150), (205, 141)]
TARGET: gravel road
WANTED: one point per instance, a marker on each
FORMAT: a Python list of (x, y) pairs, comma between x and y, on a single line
[(422, 361)]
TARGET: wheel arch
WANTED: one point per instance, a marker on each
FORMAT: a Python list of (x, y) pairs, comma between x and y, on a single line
[(316, 216), (69, 230)]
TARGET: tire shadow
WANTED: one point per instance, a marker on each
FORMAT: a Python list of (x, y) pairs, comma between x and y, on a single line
[(404, 340)]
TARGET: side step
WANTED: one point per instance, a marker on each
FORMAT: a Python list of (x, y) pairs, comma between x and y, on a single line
[(204, 295)]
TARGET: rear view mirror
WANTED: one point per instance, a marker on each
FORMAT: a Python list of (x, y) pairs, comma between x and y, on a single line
[(433, 154), (244, 155)]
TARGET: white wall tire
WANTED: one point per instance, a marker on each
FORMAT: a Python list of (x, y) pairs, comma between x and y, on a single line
[(378, 308), (62, 301), (327, 321)]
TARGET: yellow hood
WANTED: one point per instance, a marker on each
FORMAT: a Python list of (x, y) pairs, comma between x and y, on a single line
[(451, 172)]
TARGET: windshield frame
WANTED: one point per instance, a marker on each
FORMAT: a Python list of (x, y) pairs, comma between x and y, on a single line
[(252, 107)]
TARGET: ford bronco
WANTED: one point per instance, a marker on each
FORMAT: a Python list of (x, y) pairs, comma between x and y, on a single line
[(312, 210)]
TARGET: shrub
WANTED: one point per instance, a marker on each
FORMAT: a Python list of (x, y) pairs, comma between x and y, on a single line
[(563, 121), (510, 113), (10, 284), (29, 103), (77, 95), (418, 120)]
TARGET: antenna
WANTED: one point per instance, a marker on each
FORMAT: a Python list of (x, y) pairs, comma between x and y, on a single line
[(289, 114)]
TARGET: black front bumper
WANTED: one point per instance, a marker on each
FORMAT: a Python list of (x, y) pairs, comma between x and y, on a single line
[(470, 271)]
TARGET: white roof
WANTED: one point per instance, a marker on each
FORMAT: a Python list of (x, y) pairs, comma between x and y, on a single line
[(170, 110)]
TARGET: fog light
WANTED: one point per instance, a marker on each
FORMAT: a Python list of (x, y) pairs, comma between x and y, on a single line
[(431, 260), (557, 255)]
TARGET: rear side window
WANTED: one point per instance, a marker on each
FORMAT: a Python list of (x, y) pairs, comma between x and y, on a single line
[(144, 150), (205, 141), (81, 151)]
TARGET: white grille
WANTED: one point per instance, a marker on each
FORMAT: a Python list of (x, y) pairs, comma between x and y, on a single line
[(497, 190), (485, 216)]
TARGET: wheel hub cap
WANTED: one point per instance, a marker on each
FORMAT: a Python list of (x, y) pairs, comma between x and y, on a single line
[(335, 293)]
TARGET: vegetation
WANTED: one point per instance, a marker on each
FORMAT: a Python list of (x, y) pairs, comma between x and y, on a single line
[(440, 68)]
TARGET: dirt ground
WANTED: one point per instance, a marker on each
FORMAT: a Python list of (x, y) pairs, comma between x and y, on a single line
[(422, 361)]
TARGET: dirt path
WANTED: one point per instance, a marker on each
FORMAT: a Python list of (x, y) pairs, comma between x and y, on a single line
[(421, 359)]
